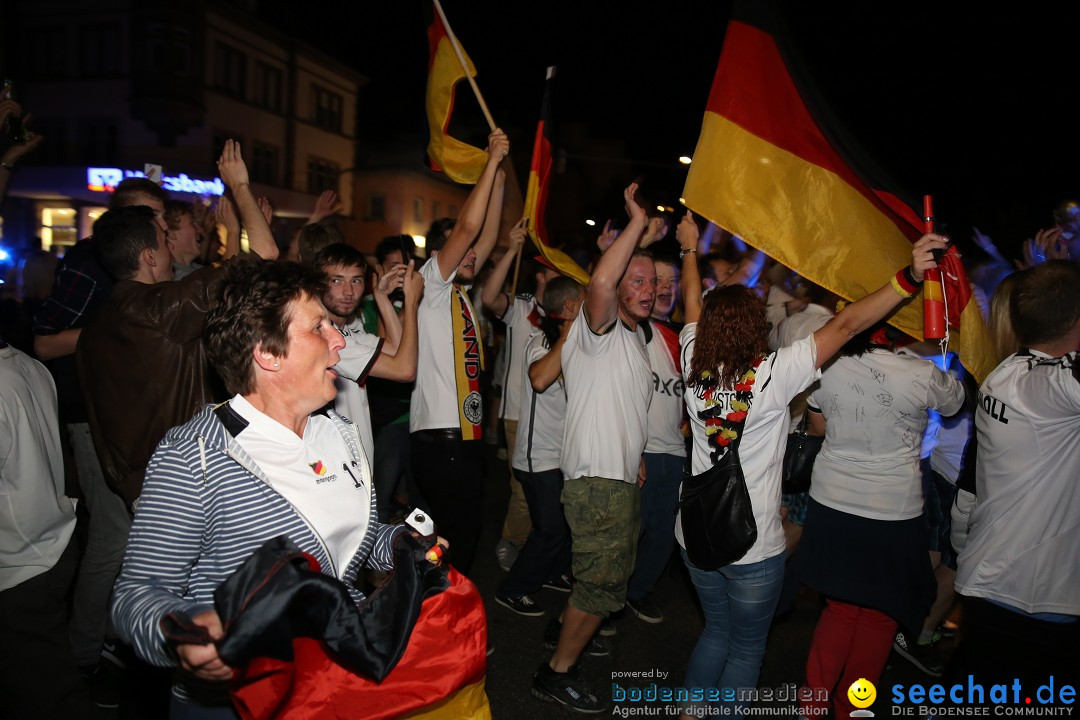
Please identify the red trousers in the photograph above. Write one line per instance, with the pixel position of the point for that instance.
(850, 642)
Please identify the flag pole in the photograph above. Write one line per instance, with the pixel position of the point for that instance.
(465, 66)
(517, 269)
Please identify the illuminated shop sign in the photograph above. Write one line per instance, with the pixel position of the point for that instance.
(101, 179)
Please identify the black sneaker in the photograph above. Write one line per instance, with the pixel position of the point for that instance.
(523, 605)
(645, 610)
(566, 689)
(561, 583)
(607, 628)
(596, 647)
(924, 657)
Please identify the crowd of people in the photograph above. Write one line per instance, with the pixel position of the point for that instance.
(207, 400)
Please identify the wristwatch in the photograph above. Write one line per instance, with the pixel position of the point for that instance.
(686, 251)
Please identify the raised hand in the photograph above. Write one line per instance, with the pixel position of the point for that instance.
(498, 145)
(922, 256)
(413, 284)
(231, 166)
(606, 237)
(326, 204)
(389, 280)
(518, 235)
(687, 232)
(654, 231)
(266, 208)
(635, 211)
(225, 214)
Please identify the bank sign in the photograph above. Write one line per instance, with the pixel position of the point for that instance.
(101, 179)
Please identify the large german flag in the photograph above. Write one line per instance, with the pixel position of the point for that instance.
(460, 161)
(772, 168)
(536, 193)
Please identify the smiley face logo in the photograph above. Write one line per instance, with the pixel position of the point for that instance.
(862, 693)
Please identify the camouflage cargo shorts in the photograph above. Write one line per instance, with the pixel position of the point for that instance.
(605, 519)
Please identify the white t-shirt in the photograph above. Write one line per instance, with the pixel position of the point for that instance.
(434, 402)
(776, 307)
(779, 378)
(608, 389)
(518, 329)
(802, 324)
(358, 356)
(316, 474)
(875, 409)
(543, 415)
(666, 408)
(1024, 543)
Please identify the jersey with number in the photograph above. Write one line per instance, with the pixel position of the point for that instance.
(543, 415)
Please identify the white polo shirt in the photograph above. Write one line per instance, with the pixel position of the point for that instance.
(316, 474)
(543, 415)
(781, 376)
(608, 389)
(1023, 544)
(518, 330)
(434, 397)
(358, 356)
(666, 408)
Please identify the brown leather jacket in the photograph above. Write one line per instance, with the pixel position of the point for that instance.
(144, 370)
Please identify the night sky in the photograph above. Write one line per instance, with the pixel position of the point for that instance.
(977, 107)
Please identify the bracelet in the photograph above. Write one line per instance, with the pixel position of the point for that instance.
(686, 251)
(903, 283)
(9, 168)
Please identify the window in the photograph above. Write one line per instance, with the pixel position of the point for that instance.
(58, 227)
(268, 86)
(99, 50)
(47, 49)
(230, 70)
(376, 207)
(322, 175)
(264, 164)
(418, 209)
(327, 109)
(435, 210)
(98, 140)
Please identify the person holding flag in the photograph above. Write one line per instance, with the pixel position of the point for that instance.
(446, 409)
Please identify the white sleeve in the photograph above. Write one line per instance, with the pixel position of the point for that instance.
(584, 339)
(687, 336)
(945, 393)
(358, 356)
(794, 368)
(436, 289)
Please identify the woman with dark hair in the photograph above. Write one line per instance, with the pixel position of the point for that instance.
(734, 386)
(865, 545)
(268, 462)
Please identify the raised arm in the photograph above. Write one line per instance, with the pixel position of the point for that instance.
(492, 220)
(401, 366)
(687, 235)
(226, 216)
(389, 322)
(861, 314)
(234, 174)
(326, 205)
(471, 220)
(493, 296)
(15, 151)
(601, 297)
(546, 370)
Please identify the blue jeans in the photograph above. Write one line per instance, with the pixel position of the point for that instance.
(659, 503)
(546, 553)
(738, 602)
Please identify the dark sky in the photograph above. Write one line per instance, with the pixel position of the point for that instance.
(974, 105)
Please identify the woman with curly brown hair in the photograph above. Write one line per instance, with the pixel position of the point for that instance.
(735, 386)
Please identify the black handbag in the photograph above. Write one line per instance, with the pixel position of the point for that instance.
(799, 459)
(717, 517)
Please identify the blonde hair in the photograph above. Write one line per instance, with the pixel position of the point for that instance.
(1002, 335)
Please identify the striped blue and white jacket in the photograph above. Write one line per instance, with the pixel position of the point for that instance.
(205, 508)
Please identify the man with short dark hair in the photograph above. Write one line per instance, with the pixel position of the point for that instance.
(80, 289)
(1018, 570)
(142, 360)
(446, 412)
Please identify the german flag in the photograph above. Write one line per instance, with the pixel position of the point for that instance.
(536, 193)
(772, 168)
(460, 161)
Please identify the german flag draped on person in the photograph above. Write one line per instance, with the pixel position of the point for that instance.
(460, 161)
(773, 169)
(536, 193)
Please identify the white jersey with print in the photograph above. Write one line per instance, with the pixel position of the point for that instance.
(608, 389)
(434, 402)
(543, 415)
(666, 408)
(358, 356)
(518, 330)
(1024, 543)
(779, 378)
(875, 409)
(316, 474)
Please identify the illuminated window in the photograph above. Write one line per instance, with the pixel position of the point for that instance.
(58, 227)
